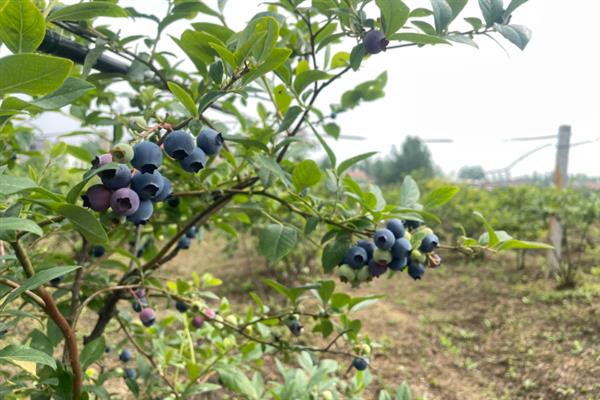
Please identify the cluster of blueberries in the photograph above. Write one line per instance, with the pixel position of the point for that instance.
(126, 356)
(132, 194)
(186, 240)
(391, 249)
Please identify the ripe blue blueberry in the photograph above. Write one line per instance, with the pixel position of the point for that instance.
(376, 269)
(195, 161)
(181, 306)
(97, 251)
(398, 264)
(147, 316)
(360, 363)
(397, 227)
(356, 257)
(125, 202)
(115, 179)
(401, 248)
(164, 193)
(384, 239)
(429, 243)
(415, 269)
(184, 243)
(210, 141)
(137, 307)
(179, 144)
(192, 232)
(375, 41)
(143, 213)
(125, 355)
(147, 156)
(147, 185)
(410, 224)
(56, 281)
(97, 197)
(101, 160)
(368, 246)
(130, 373)
(295, 327)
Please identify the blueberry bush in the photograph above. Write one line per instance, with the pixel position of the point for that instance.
(168, 147)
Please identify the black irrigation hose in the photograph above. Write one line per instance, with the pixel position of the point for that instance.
(58, 45)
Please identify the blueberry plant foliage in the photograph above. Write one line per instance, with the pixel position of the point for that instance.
(176, 146)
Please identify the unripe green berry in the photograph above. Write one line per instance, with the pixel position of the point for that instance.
(382, 256)
(427, 231)
(417, 255)
(362, 275)
(326, 395)
(122, 153)
(346, 273)
(407, 235)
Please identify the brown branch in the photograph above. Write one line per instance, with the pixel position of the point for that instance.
(57, 317)
(29, 293)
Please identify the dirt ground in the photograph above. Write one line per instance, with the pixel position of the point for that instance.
(471, 330)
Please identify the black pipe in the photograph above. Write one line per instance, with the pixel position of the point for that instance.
(58, 45)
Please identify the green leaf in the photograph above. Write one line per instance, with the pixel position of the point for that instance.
(334, 252)
(184, 97)
(80, 152)
(457, 6)
(440, 196)
(518, 35)
(276, 241)
(92, 352)
(308, 77)
(356, 56)
(271, 166)
(442, 14)
(22, 26)
(418, 38)
(33, 74)
(71, 90)
(16, 353)
(492, 236)
(326, 289)
(274, 60)
(237, 382)
(514, 4)
(225, 54)
(209, 98)
(12, 224)
(88, 10)
(340, 59)
(476, 23)
(306, 173)
(14, 184)
(219, 31)
(85, 222)
(278, 287)
(38, 280)
(330, 154)
(492, 11)
(403, 392)
(282, 98)
(409, 192)
(521, 244)
(75, 190)
(394, 14)
(290, 116)
(332, 129)
(346, 164)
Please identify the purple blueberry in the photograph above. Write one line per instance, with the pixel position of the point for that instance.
(397, 227)
(147, 156)
(147, 184)
(429, 243)
(295, 327)
(376, 269)
(368, 246)
(143, 213)
(356, 257)
(97, 197)
(115, 179)
(97, 251)
(398, 264)
(181, 306)
(130, 373)
(401, 248)
(125, 355)
(184, 243)
(384, 239)
(165, 192)
(195, 161)
(101, 160)
(198, 321)
(147, 316)
(192, 232)
(125, 202)
(179, 144)
(210, 141)
(360, 363)
(375, 41)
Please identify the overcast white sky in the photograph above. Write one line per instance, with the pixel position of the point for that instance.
(478, 98)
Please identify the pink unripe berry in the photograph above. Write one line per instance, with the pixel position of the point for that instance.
(147, 316)
(197, 321)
